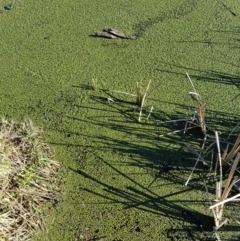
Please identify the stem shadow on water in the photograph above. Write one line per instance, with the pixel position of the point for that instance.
(138, 196)
(184, 8)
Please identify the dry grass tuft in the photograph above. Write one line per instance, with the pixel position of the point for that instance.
(27, 179)
(141, 97)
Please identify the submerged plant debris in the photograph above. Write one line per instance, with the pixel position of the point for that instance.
(27, 179)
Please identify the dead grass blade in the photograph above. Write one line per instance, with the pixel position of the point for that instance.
(226, 158)
(27, 179)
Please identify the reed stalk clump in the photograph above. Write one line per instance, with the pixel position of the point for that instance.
(27, 179)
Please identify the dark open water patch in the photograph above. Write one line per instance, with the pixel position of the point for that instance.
(179, 11)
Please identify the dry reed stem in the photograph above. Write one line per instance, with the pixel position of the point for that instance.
(201, 117)
(27, 179)
(141, 99)
(230, 177)
(219, 157)
(226, 158)
(222, 197)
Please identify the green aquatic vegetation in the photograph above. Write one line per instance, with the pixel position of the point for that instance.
(108, 160)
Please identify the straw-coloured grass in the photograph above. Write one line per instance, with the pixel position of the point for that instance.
(27, 179)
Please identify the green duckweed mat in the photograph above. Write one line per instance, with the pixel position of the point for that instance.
(120, 182)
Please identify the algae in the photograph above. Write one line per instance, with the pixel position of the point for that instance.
(108, 159)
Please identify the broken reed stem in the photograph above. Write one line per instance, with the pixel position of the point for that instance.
(170, 133)
(235, 149)
(201, 117)
(222, 197)
(195, 92)
(219, 156)
(209, 200)
(141, 97)
(230, 176)
(190, 122)
(215, 229)
(195, 152)
(163, 122)
(233, 130)
(219, 209)
(150, 112)
(198, 159)
(224, 201)
(122, 92)
(191, 82)
(142, 100)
